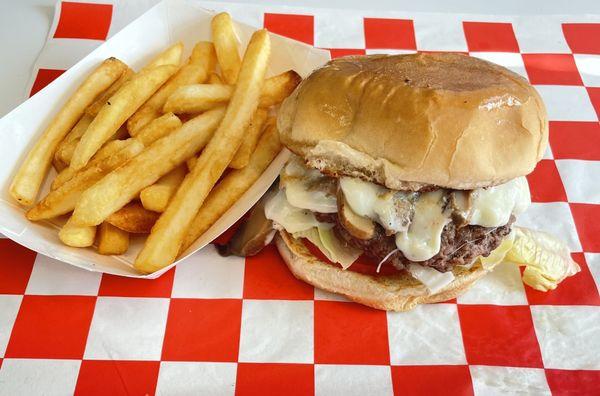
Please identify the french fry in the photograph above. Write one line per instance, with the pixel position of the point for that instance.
(63, 199)
(133, 218)
(75, 133)
(58, 165)
(191, 162)
(200, 97)
(226, 46)
(214, 78)
(157, 196)
(201, 62)
(117, 110)
(164, 242)
(242, 155)
(233, 186)
(77, 236)
(279, 87)
(112, 240)
(28, 179)
(170, 56)
(93, 109)
(65, 152)
(156, 129)
(106, 151)
(119, 187)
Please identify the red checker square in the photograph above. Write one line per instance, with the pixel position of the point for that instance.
(490, 37)
(84, 21)
(43, 78)
(594, 94)
(579, 289)
(545, 183)
(348, 333)
(573, 382)
(16, 263)
(339, 52)
(575, 140)
(227, 234)
(588, 227)
(119, 286)
(582, 37)
(51, 327)
(114, 377)
(274, 379)
(383, 33)
(203, 330)
(267, 277)
(499, 336)
(552, 69)
(297, 27)
(432, 380)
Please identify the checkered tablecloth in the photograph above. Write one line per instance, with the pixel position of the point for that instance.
(231, 325)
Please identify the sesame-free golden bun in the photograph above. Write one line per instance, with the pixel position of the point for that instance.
(410, 121)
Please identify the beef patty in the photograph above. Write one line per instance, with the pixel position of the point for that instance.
(460, 245)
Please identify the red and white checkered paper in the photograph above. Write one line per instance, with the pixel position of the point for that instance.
(218, 325)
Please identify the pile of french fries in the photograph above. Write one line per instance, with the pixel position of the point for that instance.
(163, 151)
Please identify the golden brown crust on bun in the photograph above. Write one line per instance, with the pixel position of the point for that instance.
(399, 292)
(405, 121)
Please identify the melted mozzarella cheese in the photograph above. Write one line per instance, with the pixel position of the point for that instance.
(291, 218)
(423, 239)
(375, 202)
(432, 279)
(493, 206)
(302, 188)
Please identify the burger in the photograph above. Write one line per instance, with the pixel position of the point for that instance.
(406, 176)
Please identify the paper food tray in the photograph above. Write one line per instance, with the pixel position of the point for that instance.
(166, 23)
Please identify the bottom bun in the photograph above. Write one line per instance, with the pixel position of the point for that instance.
(399, 292)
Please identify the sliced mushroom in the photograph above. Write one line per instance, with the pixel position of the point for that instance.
(459, 202)
(358, 226)
(253, 235)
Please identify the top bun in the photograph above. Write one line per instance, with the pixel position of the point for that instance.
(409, 121)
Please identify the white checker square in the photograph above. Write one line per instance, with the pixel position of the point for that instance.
(589, 69)
(567, 103)
(554, 218)
(500, 381)
(503, 286)
(290, 328)
(38, 377)
(414, 336)
(509, 60)
(438, 32)
(323, 295)
(9, 307)
(206, 274)
(196, 378)
(52, 277)
(569, 336)
(548, 153)
(329, 24)
(541, 35)
(332, 379)
(580, 179)
(593, 262)
(389, 51)
(127, 329)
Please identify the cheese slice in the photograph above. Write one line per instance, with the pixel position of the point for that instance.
(291, 218)
(493, 206)
(304, 188)
(432, 279)
(378, 203)
(422, 241)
